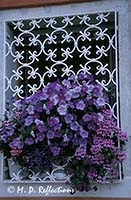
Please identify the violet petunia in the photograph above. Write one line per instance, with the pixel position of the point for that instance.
(16, 143)
(28, 121)
(50, 105)
(68, 118)
(50, 134)
(39, 107)
(55, 149)
(84, 134)
(54, 99)
(62, 109)
(40, 137)
(74, 126)
(87, 117)
(10, 132)
(19, 104)
(30, 109)
(97, 90)
(29, 141)
(40, 125)
(100, 102)
(80, 105)
(76, 141)
(52, 121)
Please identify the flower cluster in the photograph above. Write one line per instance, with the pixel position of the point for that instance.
(65, 122)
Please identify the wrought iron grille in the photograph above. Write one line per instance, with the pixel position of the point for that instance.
(39, 51)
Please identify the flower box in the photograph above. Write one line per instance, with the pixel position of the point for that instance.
(66, 123)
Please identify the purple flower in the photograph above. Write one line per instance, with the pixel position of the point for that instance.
(71, 104)
(68, 96)
(97, 90)
(87, 117)
(57, 127)
(76, 141)
(66, 83)
(10, 132)
(36, 115)
(40, 125)
(84, 88)
(53, 121)
(75, 95)
(30, 109)
(54, 99)
(80, 152)
(39, 107)
(108, 143)
(29, 141)
(95, 149)
(40, 137)
(57, 134)
(68, 118)
(76, 89)
(122, 136)
(50, 88)
(50, 105)
(62, 109)
(107, 113)
(44, 95)
(100, 101)
(83, 142)
(100, 117)
(19, 105)
(61, 96)
(90, 88)
(91, 126)
(92, 173)
(16, 143)
(83, 134)
(57, 86)
(89, 77)
(80, 105)
(55, 149)
(50, 134)
(95, 117)
(98, 159)
(28, 121)
(28, 99)
(74, 126)
(81, 76)
(36, 97)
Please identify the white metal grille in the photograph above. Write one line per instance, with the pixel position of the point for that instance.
(40, 50)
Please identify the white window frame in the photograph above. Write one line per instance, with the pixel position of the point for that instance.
(122, 7)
